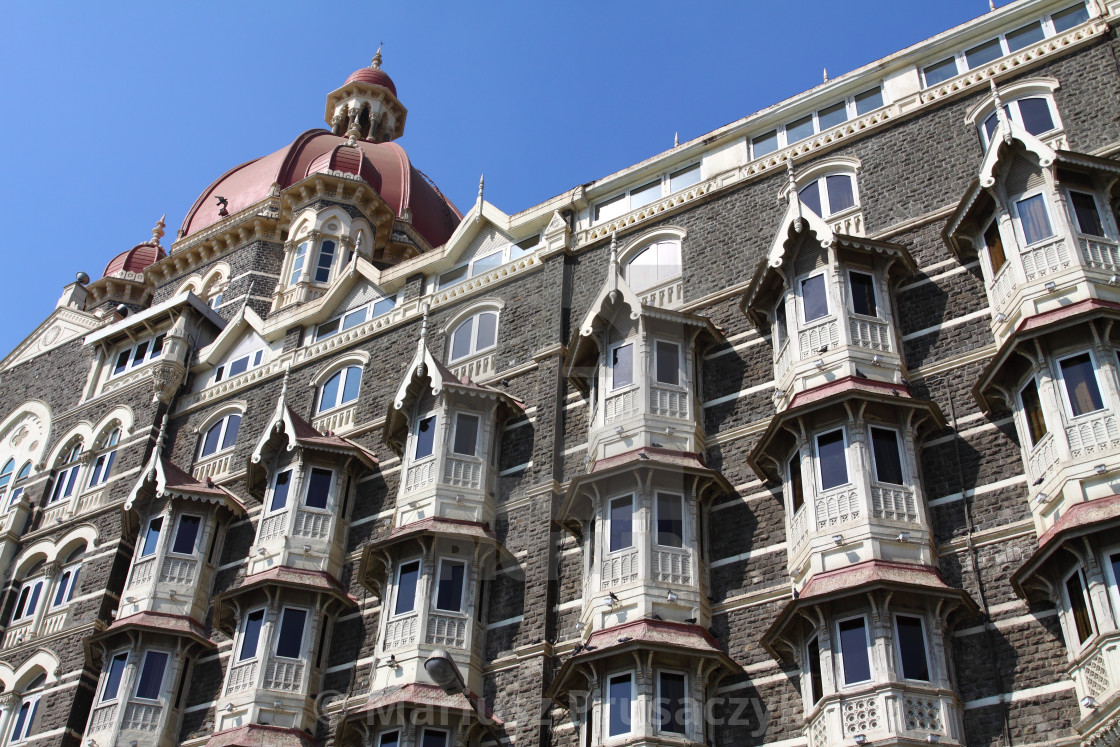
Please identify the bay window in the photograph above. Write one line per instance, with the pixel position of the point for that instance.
(796, 486)
(465, 441)
(389, 739)
(298, 261)
(1034, 219)
(289, 637)
(151, 537)
(886, 456)
(816, 680)
(994, 243)
(667, 362)
(425, 437)
(781, 327)
(280, 487)
(1033, 417)
(1086, 216)
(814, 298)
(1079, 384)
(251, 635)
(408, 577)
(855, 649)
(1077, 603)
(327, 250)
(622, 366)
(111, 686)
(832, 459)
(670, 520)
(318, 488)
(434, 738)
(911, 642)
(620, 524)
(863, 294)
(150, 683)
(186, 535)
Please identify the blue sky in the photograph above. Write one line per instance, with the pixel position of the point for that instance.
(119, 112)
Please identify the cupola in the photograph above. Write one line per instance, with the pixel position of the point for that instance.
(366, 106)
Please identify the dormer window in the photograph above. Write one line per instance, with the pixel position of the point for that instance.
(656, 264)
(474, 335)
(829, 194)
(135, 356)
(221, 436)
(340, 388)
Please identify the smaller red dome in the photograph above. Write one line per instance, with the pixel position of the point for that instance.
(134, 260)
(374, 76)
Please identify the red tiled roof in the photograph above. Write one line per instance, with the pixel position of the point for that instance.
(288, 576)
(873, 571)
(848, 384)
(134, 260)
(161, 622)
(1081, 514)
(179, 480)
(260, 735)
(654, 454)
(307, 435)
(373, 76)
(647, 632)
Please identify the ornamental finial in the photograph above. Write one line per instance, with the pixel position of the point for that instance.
(478, 204)
(794, 198)
(284, 386)
(825, 74)
(157, 232)
(162, 433)
(424, 323)
(375, 63)
(1001, 112)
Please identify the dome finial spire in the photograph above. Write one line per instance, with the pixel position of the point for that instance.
(375, 63)
(157, 232)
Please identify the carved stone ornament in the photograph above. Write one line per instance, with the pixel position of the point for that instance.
(167, 376)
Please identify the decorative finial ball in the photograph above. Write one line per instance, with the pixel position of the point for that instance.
(81, 277)
(122, 310)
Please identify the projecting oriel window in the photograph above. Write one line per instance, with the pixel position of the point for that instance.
(816, 681)
(796, 487)
(1086, 214)
(667, 357)
(318, 488)
(1079, 607)
(670, 520)
(622, 366)
(280, 489)
(887, 456)
(186, 534)
(425, 437)
(251, 636)
(994, 242)
(449, 585)
(289, 640)
(408, 576)
(621, 523)
(1032, 412)
(466, 434)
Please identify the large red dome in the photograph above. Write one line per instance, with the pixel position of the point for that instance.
(384, 166)
(373, 76)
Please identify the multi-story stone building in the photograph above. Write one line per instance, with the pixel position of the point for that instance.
(803, 432)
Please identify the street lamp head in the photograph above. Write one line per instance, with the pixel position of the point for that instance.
(443, 671)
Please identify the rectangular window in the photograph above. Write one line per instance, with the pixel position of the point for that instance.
(1034, 219)
(489, 262)
(670, 520)
(1030, 34)
(939, 72)
(684, 178)
(1085, 210)
(672, 715)
(449, 586)
(1078, 607)
(863, 294)
(28, 600)
(239, 366)
(389, 739)
(622, 366)
(250, 639)
(326, 260)
(611, 208)
(451, 277)
(384, 306)
(25, 719)
(668, 363)
(645, 194)
(994, 242)
(984, 53)
(434, 738)
(466, 434)
(814, 298)
(289, 640)
(620, 697)
(841, 194)
(832, 116)
(151, 675)
(186, 534)
(1032, 412)
(280, 490)
(67, 583)
(887, 455)
(799, 130)
(151, 537)
(1080, 382)
(1066, 19)
(621, 524)
(425, 437)
(318, 487)
(1035, 114)
(854, 651)
(764, 144)
(816, 681)
(407, 578)
(832, 458)
(912, 648)
(869, 100)
(113, 677)
(796, 487)
(297, 263)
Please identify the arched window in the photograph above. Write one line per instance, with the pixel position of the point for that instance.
(6, 475)
(68, 579)
(327, 250)
(340, 388)
(829, 194)
(14, 486)
(24, 723)
(104, 463)
(30, 594)
(221, 436)
(474, 335)
(1035, 114)
(656, 264)
(67, 474)
(298, 262)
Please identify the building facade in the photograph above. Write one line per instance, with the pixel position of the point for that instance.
(806, 432)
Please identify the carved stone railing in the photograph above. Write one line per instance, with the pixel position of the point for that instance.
(142, 572)
(214, 465)
(178, 571)
(884, 715)
(784, 361)
(284, 675)
(670, 403)
(671, 566)
(56, 513)
(476, 368)
(848, 222)
(809, 341)
(1096, 674)
(838, 507)
(1100, 254)
(141, 717)
(18, 633)
(447, 631)
(242, 677)
(462, 473)
(55, 621)
(90, 500)
(1045, 258)
(1003, 285)
(481, 281)
(401, 631)
(798, 528)
(896, 504)
(102, 718)
(870, 334)
(273, 526)
(337, 420)
(620, 568)
(312, 524)
(1093, 434)
(1043, 458)
(233, 383)
(621, 405)
(420, 475)
(668, 295)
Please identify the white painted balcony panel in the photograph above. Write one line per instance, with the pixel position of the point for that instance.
(798, 528)
(870, 334)
(1043, 458)
(476, 368)
(671, 403)
(897, 504)
(1003, 285)
(401, 632)
(178, 571)
(142, 572)
(273, 526)
(242, 677)
(54, 622)
(284, 675)
(312, 525)
(811, 340)
(337, 420)
(103, 718)
(666, 296)
(1100, 254)
(1092, 435)
(622, 405)
(838, 507)
(420, 475)
(462, 473)
(447, 631)
(141, 717)
(213, 466)
(620, 568)
(1045, 258)
(671, 566)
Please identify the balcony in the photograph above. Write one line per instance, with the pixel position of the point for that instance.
(886, 714)
(339, 420)
(297, 537)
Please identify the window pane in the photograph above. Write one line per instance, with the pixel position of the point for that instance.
(641, 271)
(670, 520)
(888, 461)
(841, 196)
(1036, 115)
(329, 397)
(816, 683)
(487, 263)
(1081, 384)
(384, 306)
(994, 242)
(353, 319)
(619, 697)
(453, 276)
(151, 675)
(869, 100)
(684, 178)
(668, 363)
(833, 463)
(622, 524)
(186, 535)
(487, 331)
(811, 197)
(353, 383)
(151, 537)
(122, 362)
(157, 347)
(210, 443)
(239, 366)
(764, 144)
(252, 635)
(297, 263)
(668, 259)
(449, 589)
(781, 329)
(1025, 36)
(425, 437)
(389, 739)
(1032, 412)
(233, 425)
(406, 588)
(434, 738)
(796, 487)
(60, 592)
(138, 356)
(645, 194)
(863, 294)
(466, 434)
(280, 490)
(853, 648)
(113, 678)
(983, 54)
(1085, 209)
(1066, 19)
(327, 329)
(95, 473)
(940, 72)
(622, 366)
(799, 130)
(326, 259)
(990, 124)
(671, 706)
(1078, 608)
(461, 340)
(832, 116)
(912, 648)
(318, 487)
(814, 301)
(612, 208)
(289, 642)
(1033, 218)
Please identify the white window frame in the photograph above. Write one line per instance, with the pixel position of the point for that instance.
(851, 110)
(477, 434)
(807, 672)
(799, 291)
(657, 513)
(1017, 220)
(368, 310)
(878, 316)
(1067, 612)
(32, 702)
(269, 510)
(163, 677)
(633, 363)
(344, 373)
(1021, 413)
(42, 600)
(926, 649)
(608, 704)
(608, 524)
(103, 463)
(657, 703)
(436, 416)
(132, 363)
(842, 679)
(302, 250)
(305, 490)
(510, 252)
(817, 458)
(1101, 214)
(473, 349)
(333, 267)
(253, 359)
(241, 636)
(626, 197)
(680, 363)
(1017, 115)
(381, 735)
(71, 471)
(223, 424)
(648, 245)
(65, 586)
(1111, 580)
(279, 624)
(822, 189)
(142, 540)
(779, 341)
(462, 590)
(100, 698)
(1065, 391)
(197, 538)
(424, 733)
(900, 444)
(393, 614)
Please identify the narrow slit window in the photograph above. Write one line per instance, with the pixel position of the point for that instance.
(994, 242)
(816, 681)
(796, 487)
(1079, 607)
